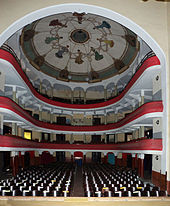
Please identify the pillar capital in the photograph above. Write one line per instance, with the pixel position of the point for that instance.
(14, 88)
(22, 152)
(116, 154)
(14, 153)
(142, 156)
(142, 92)
(133, 155)
(105, 153)
(51, 152)
(72, 152)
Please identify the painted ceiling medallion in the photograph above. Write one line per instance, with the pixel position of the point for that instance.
(91, 47)
(79, 36)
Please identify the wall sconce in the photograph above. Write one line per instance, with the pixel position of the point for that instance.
(157, 158)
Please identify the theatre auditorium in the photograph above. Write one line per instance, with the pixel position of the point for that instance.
(84, 102)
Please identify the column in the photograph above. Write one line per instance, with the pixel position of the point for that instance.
(51, 137)
(54, 156)
(52, 92)
(40, 87)
(105, 157)
(1, 124)
(105, 94)
(36, 158)
(116, 154)
(105, 117)
(119, 160)
(40, 153)
(84, 96)
(142, 156)
(141, 131)
(116, 137)
(14, 97)
(133, 161)
(124, 160)
(22, 132)
(72, 157)
(84, 157)
(84, 120)
(14, 92)
(142, 98)
(14, 128)
(14, 162)
(115, 93)
(32, 159)
(139, 164)
(72, 96)
(51, 121)
(22, 159)
(71, 139)
(84, 138)
(105, 138)
(17, 162)
(71, 118)
(133, 106)
(40, 113)
(51, 116)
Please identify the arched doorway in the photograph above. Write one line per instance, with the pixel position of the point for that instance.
(78, 156)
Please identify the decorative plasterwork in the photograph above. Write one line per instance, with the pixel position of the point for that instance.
(79, 47)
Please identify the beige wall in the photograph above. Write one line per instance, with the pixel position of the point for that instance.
(156, 163)
(157, 84)
(151, 15)
(36, 135)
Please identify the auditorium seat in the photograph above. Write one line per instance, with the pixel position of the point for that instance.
(116, 182)
(49, 180)
(99, 180)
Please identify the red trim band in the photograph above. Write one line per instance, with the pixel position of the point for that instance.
(146, 144)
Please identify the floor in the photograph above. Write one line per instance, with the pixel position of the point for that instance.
(84, 201)
(78, 183)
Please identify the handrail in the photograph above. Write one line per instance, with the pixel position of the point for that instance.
(12, 52)
(147, 56)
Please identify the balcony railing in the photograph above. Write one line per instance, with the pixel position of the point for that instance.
(21, 144)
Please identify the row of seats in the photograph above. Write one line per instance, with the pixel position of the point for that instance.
(99, 180)
(108, 181)
(52, 180)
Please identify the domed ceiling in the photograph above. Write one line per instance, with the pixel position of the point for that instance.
(79, 47)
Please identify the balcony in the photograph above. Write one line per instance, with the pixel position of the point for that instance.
(19, 144)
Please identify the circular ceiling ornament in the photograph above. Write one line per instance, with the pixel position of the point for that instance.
(80, 36)
(79, 47)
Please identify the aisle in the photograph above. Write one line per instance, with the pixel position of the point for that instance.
(78, 183)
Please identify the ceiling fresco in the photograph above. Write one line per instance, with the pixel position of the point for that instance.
(79, 47)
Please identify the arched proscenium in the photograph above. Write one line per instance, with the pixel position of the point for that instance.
(80, 8)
